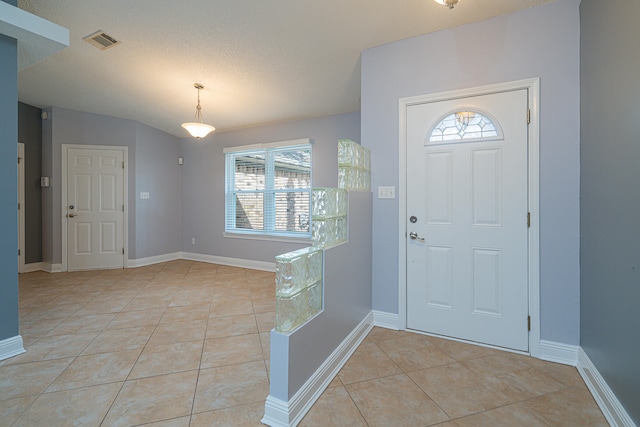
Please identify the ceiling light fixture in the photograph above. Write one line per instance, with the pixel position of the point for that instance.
(197, 129)
(449, 3)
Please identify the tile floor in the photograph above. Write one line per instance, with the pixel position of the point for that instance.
(187, 344)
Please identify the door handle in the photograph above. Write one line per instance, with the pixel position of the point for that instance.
(71, 215)
(414, 236)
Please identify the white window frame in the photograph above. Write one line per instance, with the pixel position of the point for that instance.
(268, 232)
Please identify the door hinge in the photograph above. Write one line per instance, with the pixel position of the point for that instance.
(528, 115)
(528, 219)
(19, 252)
(19, 158)
(18, 206)
(122, 208)
(122, 165)
(528, 323)
(122, 251)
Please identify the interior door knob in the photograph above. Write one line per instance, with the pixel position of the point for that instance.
(71, 215)
(414, 236)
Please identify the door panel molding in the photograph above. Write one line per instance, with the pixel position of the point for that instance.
(125, 156)
(533, 90)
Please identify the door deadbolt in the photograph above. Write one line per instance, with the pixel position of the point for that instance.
(413, 219)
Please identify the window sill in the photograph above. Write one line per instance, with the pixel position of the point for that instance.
(267, 238)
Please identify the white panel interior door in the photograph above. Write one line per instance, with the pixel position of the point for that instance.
(95, 209)
(467, 265)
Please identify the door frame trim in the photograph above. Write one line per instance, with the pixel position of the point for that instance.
(21, 211)
(533, 89)
(125, 195)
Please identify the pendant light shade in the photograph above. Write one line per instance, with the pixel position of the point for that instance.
(197, 128)
(449, 3)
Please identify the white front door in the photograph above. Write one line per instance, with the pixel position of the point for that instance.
(95, 208)
(467, 205)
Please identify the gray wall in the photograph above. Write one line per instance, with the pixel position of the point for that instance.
(8, 187)
(347, 301)
(203, 181)
(610, 236)
(539, 42)
(30, 133)
(157, 170)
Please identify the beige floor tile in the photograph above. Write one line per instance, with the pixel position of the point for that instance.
(170, 333)
(462, 351)
(12, 409)
(457, 390)
(231, 385)
(231, 350)
(96, 369)
(414, 352)
(147, 302)
(569, 407)
(513, 378)
(57, 347)
(80, 407)
(180, 300)
(225, 326)
(378, 334)
(93, 307)
(265, 341)
(394, 401)
(512, 415)
(230, 307)
(266, 321)
(334, 408)
(167, 359)
(264, 305)
(29, 379)
(175, 422)
(82, 324)
(112, 340)
(153, 399)
(185, 313)
(243, 415)
(366, 363)
(56, 311)
(128, 319)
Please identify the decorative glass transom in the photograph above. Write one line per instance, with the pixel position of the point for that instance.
(465, 125)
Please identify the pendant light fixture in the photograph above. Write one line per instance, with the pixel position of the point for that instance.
(197, 129)
(449, 3)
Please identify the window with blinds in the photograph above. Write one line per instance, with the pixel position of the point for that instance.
(268, 189)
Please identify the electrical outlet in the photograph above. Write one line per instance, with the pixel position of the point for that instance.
(144, 195)
(387, 192)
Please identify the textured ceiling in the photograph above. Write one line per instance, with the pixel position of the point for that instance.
(261, 61)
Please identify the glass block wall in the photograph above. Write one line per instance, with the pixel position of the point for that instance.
(299, 282)
(329, 216)
(298, 287)
(354, 166)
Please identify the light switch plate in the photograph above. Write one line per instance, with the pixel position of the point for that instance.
(144, 195)
(387, 192)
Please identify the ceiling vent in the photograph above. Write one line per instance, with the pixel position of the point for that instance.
(101, 40)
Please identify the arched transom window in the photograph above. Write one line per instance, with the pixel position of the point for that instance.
(464, 126)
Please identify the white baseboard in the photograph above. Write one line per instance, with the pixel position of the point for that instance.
(558, 352)
(141, 262)
(385, 320)
(34, 266)
(278, 413)
(232, 262)
(51, 268)
(609, 404)
(11, 347)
